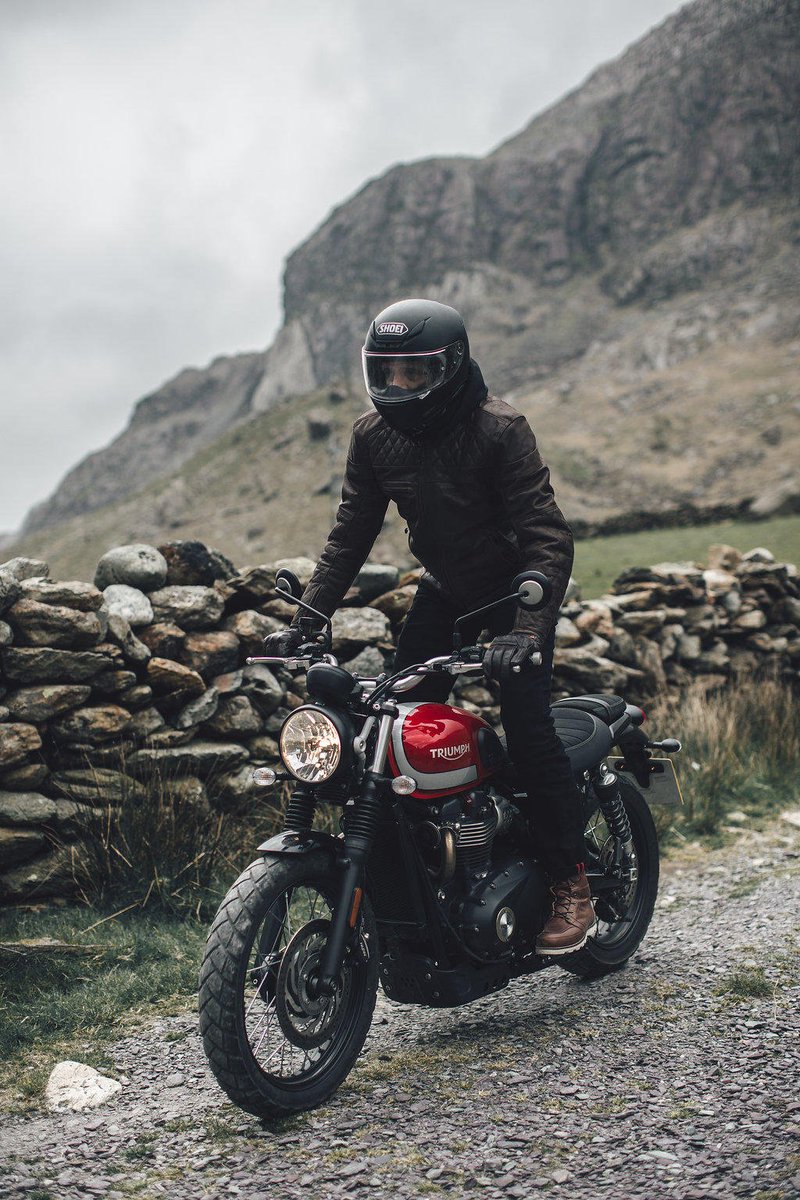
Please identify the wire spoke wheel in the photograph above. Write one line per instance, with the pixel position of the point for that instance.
(292, 1046)
(623, 914)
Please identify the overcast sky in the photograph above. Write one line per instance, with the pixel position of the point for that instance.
(160, 158)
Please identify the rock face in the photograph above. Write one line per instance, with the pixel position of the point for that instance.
(641, 221)
(177, 708)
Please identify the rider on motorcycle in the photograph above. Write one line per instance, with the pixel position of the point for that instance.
(465, 473)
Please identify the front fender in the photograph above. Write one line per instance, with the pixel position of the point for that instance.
(293, 841)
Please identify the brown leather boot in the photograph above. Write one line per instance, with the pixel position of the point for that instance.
(572, 920)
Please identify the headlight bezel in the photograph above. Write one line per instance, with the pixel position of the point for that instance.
(341, 727)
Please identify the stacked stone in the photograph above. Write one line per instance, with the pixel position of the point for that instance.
(661, 627)
(109, 688)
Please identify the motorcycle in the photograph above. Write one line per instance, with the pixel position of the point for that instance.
(433, 888)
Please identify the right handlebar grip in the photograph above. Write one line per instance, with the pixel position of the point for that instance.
(533, 660)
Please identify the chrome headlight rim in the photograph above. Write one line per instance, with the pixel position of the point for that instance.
(326, 723)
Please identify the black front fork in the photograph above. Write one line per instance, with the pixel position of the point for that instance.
(360, 828)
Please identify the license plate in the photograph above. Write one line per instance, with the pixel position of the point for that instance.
(663, 787)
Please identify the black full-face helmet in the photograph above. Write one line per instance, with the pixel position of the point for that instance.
(416, 362)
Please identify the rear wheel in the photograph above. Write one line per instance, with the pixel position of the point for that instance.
(274, 1045)
(623, 915)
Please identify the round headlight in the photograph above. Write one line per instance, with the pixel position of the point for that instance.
(311, 746)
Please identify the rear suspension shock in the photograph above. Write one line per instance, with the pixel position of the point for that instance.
(606, 788)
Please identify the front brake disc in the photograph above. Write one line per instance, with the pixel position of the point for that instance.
(306, 1018)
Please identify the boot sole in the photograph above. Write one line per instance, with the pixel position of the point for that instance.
(554, 952)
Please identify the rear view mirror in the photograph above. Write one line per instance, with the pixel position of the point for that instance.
(533, 590)
(287, 582)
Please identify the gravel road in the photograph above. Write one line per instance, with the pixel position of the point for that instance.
(658, 1081)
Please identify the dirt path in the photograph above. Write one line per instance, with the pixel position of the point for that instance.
(659, 1081)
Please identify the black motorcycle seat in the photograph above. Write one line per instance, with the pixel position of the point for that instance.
(585, 739)
(603, 705)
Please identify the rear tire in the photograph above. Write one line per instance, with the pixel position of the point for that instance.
(273, 1048)
(615, 941)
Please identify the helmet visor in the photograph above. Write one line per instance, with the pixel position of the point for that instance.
(394, 378)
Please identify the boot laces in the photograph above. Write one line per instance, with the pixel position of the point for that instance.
(563, 898)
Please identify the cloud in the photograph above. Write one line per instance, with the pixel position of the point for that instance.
(161, 160)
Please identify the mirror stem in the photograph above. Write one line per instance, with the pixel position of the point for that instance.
(468, 616)
(290, 599)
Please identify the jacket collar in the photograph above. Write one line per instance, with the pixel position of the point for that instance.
(473, 393)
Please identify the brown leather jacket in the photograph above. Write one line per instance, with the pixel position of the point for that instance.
(477, 501)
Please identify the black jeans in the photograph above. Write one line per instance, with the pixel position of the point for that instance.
(554, 803)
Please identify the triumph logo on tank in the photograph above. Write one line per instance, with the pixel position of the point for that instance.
(450, 751)
(391, 327)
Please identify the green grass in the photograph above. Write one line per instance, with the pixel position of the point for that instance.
(54, 1006)
(599, 561)
(741, 750)
(747, 983)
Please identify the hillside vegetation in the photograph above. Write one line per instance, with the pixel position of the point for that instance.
(627, 266)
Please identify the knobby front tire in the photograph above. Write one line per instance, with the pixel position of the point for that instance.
(272, 1047)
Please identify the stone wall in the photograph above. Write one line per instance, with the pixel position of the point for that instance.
(103, 686)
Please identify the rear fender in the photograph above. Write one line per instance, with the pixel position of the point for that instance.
(293, 841)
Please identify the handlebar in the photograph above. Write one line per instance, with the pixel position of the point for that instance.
(461, 662)
(454, 666)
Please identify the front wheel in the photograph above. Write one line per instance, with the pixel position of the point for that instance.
(623, 916)
(274, 1045)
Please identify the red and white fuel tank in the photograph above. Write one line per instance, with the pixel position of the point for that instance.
(443, 748)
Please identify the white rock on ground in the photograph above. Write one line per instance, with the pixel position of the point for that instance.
(75, 1086)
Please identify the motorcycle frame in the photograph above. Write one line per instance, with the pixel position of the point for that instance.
(349, 852)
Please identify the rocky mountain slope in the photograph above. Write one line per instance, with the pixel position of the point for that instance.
(627, 266)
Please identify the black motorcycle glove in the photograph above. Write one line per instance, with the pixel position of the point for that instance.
(507, 651)
(284, 643)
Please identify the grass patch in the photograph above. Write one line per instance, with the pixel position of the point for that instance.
(162, 845)
(54, 1006)
(599, 561)
(158, 844)
(155, 872)
(741, 750)
(746, 983)
(745, 887)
